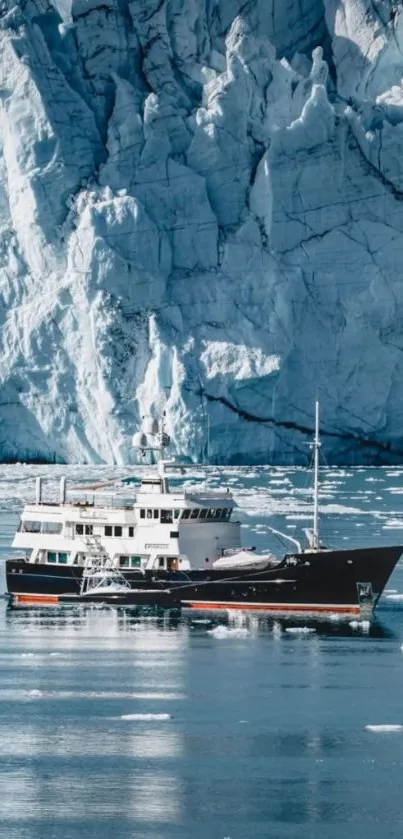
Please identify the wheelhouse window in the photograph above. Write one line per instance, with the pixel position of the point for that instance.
(31, 526)
(166, 517)
(149, 514)
(108, 530)
(41, 526)
(118, 530)
(177, 514)
(79, 529)
(131, 532)
(88, 529)
(218, 514)
(226, 514)
(186, 514)
(194, 514)
(51, 527)
(142, 514)
(203, 513)
(156, 514)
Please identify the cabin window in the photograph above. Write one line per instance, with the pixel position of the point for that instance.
(142, 514)
(149, 514)
(108, 530)
(31, 526)
(82, 529)
(203, 514)
(124, 561)
(130, 561)
(166, 516)
(194, 514)
(186, 514)
(156, 514)
(118, 530)
(131, 532)
(51, 527)
(60, 557)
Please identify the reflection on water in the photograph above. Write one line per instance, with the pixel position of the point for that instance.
(106, 623)
(128, 723)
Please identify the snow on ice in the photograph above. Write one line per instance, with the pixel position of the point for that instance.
(201, 205)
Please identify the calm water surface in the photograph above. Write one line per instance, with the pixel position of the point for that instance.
(116, 724)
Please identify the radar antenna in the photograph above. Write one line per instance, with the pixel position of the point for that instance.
(153, 438)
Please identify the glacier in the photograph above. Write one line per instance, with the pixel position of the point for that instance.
(201, 211)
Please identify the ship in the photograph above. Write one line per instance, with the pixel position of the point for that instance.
(181, 549)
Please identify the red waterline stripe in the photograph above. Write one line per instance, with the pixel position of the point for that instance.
(51, 599)
(274, 607)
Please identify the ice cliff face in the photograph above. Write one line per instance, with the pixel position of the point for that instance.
(201, 206)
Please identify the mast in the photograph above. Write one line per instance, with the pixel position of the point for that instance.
(316, 446)
(163, 442)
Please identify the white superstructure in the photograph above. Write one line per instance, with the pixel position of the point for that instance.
(156, 528)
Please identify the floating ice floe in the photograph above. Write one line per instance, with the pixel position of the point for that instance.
(226, 632)
(363, 625)
(395, 598)
(379, 729)
(393, 524)
(145, 717)
(300, 630)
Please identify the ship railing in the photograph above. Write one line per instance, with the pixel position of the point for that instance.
(219, 494)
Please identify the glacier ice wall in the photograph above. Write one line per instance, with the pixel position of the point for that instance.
(201, 208)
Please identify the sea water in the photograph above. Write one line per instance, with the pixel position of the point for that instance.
(120, 723)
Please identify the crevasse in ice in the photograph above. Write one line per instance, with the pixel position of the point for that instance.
(201, 207)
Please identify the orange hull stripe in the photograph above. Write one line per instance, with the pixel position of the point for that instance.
(274, 607)
(36, 598)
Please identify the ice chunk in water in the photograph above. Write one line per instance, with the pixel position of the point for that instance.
(225, 632)
(140, 717)
(383, 728)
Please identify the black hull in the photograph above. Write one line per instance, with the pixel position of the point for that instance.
(347, 581)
